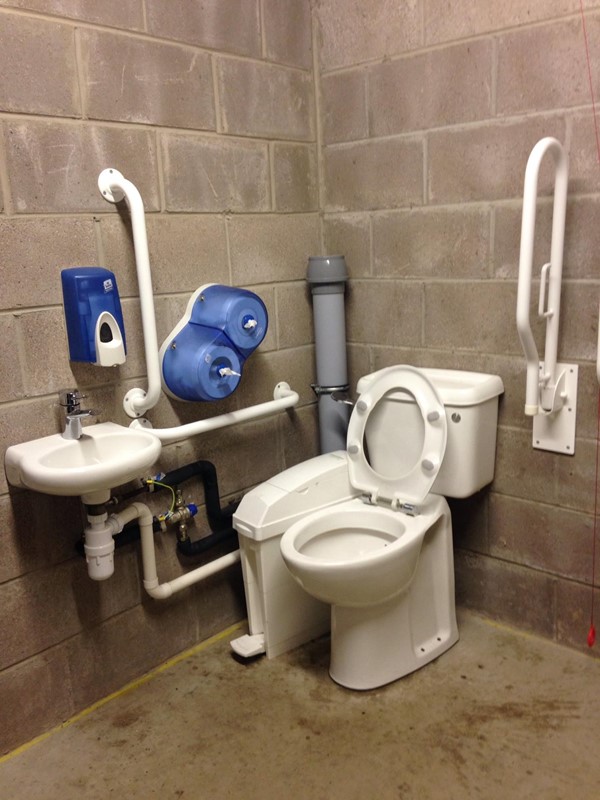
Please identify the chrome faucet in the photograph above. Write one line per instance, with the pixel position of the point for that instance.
(70, 400)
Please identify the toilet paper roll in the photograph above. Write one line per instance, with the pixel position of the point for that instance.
(200, 365)
(240, 314)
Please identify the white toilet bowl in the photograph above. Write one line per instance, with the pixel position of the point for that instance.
(368, 531)
(388, 578)
(354, 555)
(361, 558)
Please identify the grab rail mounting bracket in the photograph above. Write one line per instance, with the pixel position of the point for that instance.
(555, 430)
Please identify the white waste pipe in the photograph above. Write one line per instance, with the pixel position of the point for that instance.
(540, 391)
(114, 187)
(284, 398)
(160, 591)
(99, 546)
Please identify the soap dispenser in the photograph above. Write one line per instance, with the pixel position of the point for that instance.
(93, 315)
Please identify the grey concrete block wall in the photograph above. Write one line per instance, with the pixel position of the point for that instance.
(53, 167)
(405, 150)
(210, 112)
(431, 89)
(433, 250)
(203, 173)
(140, 80)
(39, 71)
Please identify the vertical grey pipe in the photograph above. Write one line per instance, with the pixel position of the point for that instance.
(327, 276)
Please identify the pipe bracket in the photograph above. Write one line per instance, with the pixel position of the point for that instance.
(320, 390)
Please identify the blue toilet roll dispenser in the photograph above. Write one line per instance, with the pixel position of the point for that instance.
(203, 356)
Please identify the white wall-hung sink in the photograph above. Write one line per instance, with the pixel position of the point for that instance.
(106, 455)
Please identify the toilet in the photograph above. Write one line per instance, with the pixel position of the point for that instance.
(359, 542)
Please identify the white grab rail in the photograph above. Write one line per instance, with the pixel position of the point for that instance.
(114, 187)
(284, 397)
(541, 395)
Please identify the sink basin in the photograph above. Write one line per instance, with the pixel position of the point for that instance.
(105, 456)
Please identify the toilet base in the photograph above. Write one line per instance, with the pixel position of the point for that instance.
(375, 645)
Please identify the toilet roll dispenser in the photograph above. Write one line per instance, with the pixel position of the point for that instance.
(202, 359)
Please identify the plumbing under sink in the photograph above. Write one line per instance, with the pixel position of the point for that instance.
(106, 455)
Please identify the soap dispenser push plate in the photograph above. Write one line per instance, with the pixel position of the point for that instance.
(556, 431)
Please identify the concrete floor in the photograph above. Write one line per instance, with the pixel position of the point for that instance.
(501, 715)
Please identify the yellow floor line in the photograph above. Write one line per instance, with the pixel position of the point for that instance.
(129, 687)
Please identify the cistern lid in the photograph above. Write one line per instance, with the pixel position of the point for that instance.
(412, 487)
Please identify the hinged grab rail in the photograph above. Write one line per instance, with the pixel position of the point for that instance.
(551, 388)
(541, 394)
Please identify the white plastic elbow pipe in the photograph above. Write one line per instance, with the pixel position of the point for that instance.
(114, 187)
(157, 590)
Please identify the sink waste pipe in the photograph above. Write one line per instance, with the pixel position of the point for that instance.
(99, 545)
(327, 277)
(131, 533)
(157, 590)
(96, 543)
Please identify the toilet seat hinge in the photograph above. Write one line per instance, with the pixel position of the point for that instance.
(409, 508)
(395, 503)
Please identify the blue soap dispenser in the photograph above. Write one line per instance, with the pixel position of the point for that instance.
(93, 315)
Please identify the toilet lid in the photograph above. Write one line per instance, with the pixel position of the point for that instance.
(413, 486)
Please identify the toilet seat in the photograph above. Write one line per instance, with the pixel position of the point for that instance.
(408, 490)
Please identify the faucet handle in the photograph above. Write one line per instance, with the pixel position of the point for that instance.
(70, 399)
(83, 412)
